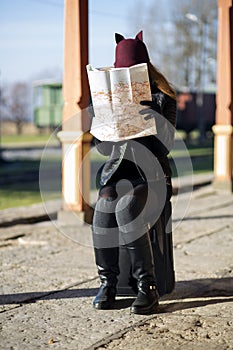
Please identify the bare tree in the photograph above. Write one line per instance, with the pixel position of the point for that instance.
(18, 104)
(3, 102)
(181, 37)
(154, 17)
(195, 29)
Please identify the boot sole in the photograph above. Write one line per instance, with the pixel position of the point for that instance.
(144, 311)
(103, 305)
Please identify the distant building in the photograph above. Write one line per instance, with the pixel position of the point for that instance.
(47, 104)
(189, 114)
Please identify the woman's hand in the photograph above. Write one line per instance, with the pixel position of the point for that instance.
(152, 110)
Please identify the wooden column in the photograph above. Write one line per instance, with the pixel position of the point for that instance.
(74, 135)
(223, 130)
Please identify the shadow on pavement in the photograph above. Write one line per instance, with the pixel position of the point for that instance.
(217, 290)
(182, 305)
(190, 218)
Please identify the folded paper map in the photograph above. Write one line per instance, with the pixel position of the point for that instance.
(116, 94)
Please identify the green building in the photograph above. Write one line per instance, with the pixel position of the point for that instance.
(47, 104)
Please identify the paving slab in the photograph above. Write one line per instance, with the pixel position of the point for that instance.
(49, 281)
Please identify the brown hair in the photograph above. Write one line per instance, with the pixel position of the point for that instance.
(160, 81)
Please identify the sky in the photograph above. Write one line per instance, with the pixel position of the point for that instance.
(32, 35)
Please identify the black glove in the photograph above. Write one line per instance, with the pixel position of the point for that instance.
(152, 111)
(155, 106)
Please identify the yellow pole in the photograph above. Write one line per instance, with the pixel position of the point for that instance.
(223, 130)
(74, 136)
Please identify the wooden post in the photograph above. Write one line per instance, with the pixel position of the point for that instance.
(74, 135)
(223, 130)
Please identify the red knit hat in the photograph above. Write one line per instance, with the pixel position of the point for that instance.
(130, 51)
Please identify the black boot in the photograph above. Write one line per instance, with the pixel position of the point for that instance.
(142, 262)
(107, 263)
(147, 300)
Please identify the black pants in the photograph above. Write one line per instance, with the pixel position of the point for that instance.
(125, 211)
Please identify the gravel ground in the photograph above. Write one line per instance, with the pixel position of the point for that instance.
(49, 282)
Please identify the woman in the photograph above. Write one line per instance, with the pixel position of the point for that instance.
(134, 182)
